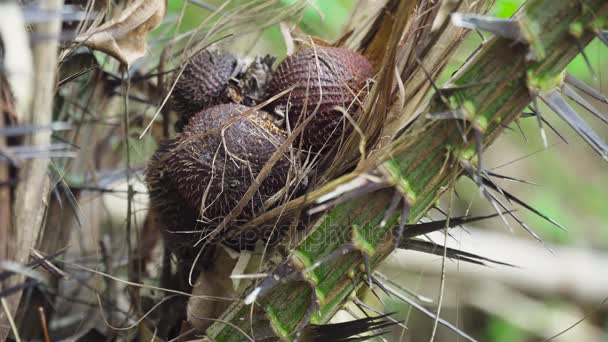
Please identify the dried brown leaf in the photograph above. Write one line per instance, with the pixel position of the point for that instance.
(124, 36)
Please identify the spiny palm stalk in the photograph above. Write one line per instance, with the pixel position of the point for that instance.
(525, 61)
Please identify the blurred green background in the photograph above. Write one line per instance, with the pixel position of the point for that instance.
(572, 181)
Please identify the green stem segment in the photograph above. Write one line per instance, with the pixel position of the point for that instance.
(491, 89)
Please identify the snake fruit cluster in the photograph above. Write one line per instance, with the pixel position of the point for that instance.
(200, 175)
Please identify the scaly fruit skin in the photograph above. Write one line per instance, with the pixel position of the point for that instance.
(201, 84)
(205, 170)
(167, 206)
(325, 77)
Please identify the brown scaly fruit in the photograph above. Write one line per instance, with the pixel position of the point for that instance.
(166, 204)
(325, 77)
(197, 178)
(202, 84)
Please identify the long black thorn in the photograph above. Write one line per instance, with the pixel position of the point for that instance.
(532, 113)
(495, 199)
(498, 206)
(471, 173)
(529, 114)
(380, 285)
(486, 177)
(457, 194)
(399, 287)
(441, 211)
(581, 50)
(495, 202)
(428, 313)
(511, 197)
(480, 34)
(445, 214)
(345, 331)
(506, 127)
(429, 227)
(430, 79)
(374, 292)
(583, 103)
(573, 81)
(436, 249)
(509, 178)
(381, 321)
(557, 103)
(523, 134)
(546, 122)
(361, 304)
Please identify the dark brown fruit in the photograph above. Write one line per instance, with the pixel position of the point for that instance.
(324, 76)
(201, 84)
(214, 164)
(167, 207)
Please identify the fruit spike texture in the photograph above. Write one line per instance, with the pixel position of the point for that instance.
(323, 76)
(215, 161)
(201, 84)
